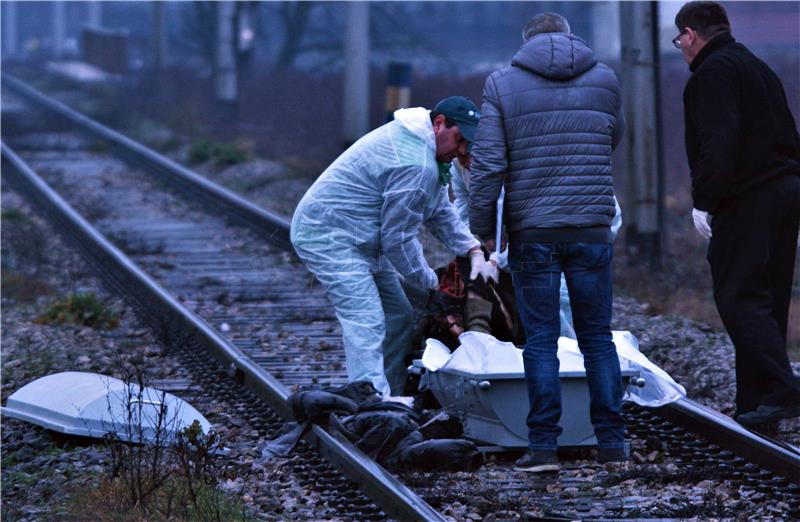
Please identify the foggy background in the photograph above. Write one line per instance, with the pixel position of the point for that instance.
(296, 54)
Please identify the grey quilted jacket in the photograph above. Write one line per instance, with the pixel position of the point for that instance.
(548, 126)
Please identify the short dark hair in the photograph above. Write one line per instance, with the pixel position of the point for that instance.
(707, 18)
(546, 22)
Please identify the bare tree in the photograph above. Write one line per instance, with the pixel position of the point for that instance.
(392, 29)
(199, 30)
(294, 17)
(305, 27)
(308, 27)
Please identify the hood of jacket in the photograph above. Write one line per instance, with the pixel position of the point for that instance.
(418, 121)
(556, 56)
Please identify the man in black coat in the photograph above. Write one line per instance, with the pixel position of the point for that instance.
(744, 154)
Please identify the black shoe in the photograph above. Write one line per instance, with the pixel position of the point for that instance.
(738, 414)
(611, 455)
(766, 414)
(537, 461)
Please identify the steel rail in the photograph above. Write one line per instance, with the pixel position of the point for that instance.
(729, 434)
(264, 222)
(394, 497)
(718, 428)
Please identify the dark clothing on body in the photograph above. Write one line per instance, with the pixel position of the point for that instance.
(548, 126)
(744, 154)
(739, 130)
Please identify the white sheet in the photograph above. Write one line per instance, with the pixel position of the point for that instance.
(482, 353)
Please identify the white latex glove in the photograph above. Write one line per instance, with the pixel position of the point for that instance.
(702, 222)
(500, 260)
(480, 267)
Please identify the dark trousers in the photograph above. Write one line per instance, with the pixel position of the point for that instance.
(752, 255)
(536, 269)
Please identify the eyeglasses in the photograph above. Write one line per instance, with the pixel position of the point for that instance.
(677, 40)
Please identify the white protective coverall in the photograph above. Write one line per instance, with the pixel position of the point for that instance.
(459, 181)
(359, 222)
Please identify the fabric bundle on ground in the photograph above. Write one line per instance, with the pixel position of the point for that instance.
(393, 434)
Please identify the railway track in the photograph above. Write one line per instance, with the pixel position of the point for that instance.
(214, 270)
(236, 292)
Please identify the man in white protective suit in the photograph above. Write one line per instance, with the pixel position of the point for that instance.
(357, 227)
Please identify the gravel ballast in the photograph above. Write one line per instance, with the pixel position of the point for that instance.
(41, 469)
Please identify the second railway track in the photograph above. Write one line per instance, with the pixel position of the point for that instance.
(252, 295)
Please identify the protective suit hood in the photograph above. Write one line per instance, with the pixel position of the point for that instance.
(418, 121)
(556, 56)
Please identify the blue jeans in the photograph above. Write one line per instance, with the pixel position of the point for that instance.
(536, 269)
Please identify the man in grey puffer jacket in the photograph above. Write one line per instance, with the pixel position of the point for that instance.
(549, 125)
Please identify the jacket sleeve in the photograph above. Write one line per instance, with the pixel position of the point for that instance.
(715, 119)
(489, 164)
(445, 224)
(404, 200)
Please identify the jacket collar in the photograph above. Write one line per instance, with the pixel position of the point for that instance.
(716, 43)
(417, 121)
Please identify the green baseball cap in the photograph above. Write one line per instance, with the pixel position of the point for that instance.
(462, 111)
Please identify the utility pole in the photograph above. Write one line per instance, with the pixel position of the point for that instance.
(59, 28)
(604, 25)
(356, 72)
(159, 35)
(398, 88)
(643, 163)
(9, 28)
(246, 36)
(245, 39)
(225, 58)
(95, 13)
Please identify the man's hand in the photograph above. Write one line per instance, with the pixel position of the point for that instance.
(481, 267)
(702, 222)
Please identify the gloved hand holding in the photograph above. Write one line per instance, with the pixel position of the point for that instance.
(500, 260)
(481, 267)
(702, 222)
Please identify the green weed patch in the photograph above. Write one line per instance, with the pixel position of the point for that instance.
(221, 154)
(82, 309)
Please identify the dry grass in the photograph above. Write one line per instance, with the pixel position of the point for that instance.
(20, 287)
(108, 502)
